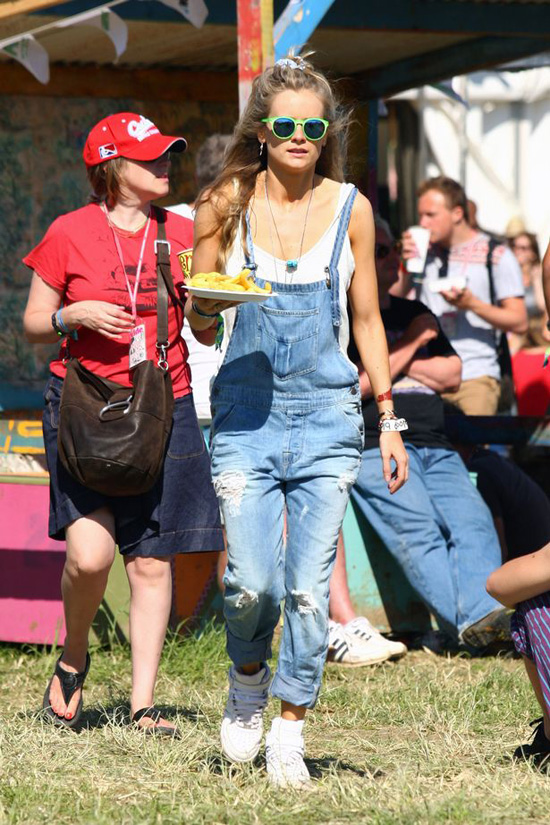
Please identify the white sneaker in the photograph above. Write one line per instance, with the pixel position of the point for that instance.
(284, 754)
(242, 725)
(361, 628)
(346, 649)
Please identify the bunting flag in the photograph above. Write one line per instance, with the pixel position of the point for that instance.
(106, 21)
(446, 88)
(193, 10)
(27, 50)
(31, 55)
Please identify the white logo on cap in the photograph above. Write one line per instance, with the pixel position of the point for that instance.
(142, 129)
(107, 151)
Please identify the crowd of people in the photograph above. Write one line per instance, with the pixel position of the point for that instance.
(336, 386)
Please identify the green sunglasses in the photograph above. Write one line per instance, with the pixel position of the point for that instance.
(314, 128)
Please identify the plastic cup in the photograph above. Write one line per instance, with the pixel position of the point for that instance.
(421, 238)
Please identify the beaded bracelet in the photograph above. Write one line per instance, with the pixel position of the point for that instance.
(219, 324)
(202, 314)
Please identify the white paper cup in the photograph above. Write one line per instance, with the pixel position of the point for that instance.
(421, 237)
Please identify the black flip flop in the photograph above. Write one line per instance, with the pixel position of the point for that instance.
(153, 730)
(70, 682)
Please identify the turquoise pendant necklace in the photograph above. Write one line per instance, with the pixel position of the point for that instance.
(291, 264)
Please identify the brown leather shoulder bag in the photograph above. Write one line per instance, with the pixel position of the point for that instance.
(111, 438)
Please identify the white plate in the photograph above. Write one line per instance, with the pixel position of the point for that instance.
(446, 284)
(228, 294)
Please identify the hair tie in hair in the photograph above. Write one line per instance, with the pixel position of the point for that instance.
(292, 64)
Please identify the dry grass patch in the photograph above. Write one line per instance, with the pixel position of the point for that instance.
(425, 740)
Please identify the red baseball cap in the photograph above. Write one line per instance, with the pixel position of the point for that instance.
(127, 135)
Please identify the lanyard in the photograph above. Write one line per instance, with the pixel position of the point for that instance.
(132, 293)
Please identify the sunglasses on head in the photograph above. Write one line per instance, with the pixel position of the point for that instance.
(314, 128)
(382, 250)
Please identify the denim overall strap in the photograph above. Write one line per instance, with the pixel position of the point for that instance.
(333, 280)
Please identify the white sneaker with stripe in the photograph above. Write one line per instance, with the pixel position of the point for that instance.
(347, 648)
(362, 629)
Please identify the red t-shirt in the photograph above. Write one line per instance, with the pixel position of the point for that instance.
(78, 257)
(532, 382)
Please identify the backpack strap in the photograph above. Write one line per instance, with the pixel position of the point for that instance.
(493, 243)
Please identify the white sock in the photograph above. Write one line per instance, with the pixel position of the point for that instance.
(286, 728)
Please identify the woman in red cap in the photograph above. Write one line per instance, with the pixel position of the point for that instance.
(93, 283)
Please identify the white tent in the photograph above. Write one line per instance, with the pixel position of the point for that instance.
(498, 145)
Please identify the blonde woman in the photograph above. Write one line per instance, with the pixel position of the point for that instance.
(287, 425)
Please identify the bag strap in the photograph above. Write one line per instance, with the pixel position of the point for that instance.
(501, 340)
(165, 287)
(162, 249)
(489, 264)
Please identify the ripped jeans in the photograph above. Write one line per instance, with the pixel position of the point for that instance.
(304, 460)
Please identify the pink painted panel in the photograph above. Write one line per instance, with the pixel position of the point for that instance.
(31, 609)
(24, 518)
(33, 622)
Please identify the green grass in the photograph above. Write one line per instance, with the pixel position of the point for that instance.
(425, 740)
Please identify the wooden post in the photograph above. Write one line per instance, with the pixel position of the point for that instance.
(13, 7)
(255, 42)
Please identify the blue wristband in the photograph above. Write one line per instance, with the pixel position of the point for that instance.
(60, 322)
(63, 326)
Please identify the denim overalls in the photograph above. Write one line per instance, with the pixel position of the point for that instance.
(287, 428)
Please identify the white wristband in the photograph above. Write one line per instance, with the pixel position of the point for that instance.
(392, 425)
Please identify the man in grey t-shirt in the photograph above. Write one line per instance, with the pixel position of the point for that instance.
(469, 318)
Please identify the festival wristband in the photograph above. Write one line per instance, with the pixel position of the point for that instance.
(61, 327)
(392, 425)
(385, 396)
(55, 324)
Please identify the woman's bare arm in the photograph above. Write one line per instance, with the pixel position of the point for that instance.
(109, 320)
(370, 336)
(522, 578)
(206, 244)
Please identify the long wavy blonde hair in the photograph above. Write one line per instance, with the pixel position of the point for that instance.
(232, 190)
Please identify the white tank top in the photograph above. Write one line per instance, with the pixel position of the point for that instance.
(311, 267)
